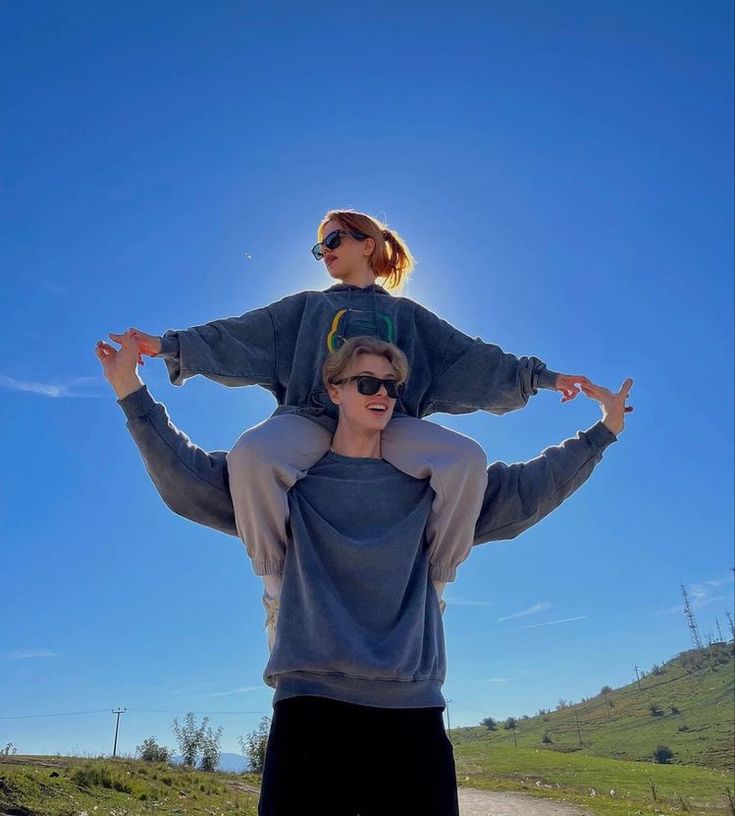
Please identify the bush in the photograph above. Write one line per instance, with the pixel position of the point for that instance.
(546, 739)
(254, 745)
(150, 751)
(663, 754)
(655, 709)
(489, 723)
(191, 738)
(605, 690)
(210, 747)
(675, 710)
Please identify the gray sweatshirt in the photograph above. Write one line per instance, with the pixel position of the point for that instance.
(359, 619)
(282, 347)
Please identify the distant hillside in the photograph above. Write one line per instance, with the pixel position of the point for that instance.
(687, 704)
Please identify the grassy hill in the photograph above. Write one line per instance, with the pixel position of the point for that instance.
(687, 704)
(68, 786)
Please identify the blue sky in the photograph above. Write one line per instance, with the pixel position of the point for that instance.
(563, 174)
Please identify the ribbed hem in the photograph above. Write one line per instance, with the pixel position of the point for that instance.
(170, 346)
(437, 572)
(361, 691)
(547, 379)
(600, 436)
(137, 404)
(268, 567)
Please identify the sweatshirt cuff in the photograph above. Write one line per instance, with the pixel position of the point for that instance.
(600, 436)
(137, 404)
(170, 346)
(547, 379)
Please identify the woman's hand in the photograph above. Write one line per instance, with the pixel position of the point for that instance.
(613, 406)
(569, 385)
(119, 366)
(149, 344)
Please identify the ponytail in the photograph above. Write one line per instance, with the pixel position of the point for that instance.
(391, 260)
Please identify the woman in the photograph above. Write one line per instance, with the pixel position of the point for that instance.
(358, 661)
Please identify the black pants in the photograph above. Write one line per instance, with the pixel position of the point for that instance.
(331, 758)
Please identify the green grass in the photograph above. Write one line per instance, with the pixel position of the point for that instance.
(64, 786)
(572, 777)
(697, 719)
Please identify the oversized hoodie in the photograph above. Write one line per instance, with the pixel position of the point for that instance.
(359, 619)
(282, 347)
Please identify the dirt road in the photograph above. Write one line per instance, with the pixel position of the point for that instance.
(474, 802)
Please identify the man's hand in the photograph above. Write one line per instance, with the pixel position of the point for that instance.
(569, 385)
(149, 344)
(613, 406)
(119, 366)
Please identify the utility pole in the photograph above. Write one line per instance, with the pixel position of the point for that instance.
(693, 630)
(117, 728)
(449, 724)
(640, 688)
(732, 625)
(579, 730)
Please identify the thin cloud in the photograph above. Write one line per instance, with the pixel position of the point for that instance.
(532, 610)
(458, 600)
(548, 623)
(242, 690)
(497, 680)
(28, 654)
(74, 388)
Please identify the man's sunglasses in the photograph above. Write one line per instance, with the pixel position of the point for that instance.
(368, 386)
(333, 240)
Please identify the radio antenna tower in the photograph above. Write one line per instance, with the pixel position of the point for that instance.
(693, 631)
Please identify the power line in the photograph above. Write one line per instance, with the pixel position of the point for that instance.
(61, 714)
(129, 710)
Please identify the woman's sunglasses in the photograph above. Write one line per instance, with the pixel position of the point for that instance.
(333, 240)
(368, 386)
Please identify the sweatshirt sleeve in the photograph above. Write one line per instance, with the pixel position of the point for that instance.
(192, 482)
(471, 375)
(234, 351)
(520, 495)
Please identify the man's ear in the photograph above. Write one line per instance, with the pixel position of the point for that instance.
(334, 394)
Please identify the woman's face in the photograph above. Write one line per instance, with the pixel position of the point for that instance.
(350, 256)
(360, 411)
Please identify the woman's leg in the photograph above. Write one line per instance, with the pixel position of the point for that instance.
(311, 758)
(263, 466)
(457, 468)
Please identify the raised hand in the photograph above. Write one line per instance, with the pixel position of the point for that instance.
(569, 385)
(149, 344)
(613, 405)
(119, 366)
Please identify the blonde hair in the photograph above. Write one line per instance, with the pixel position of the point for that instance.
(391, 260)
(338, 361)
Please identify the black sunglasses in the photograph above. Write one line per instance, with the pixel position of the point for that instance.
(333, 240)
(368, 385)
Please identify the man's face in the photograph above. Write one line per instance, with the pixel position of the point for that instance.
(365, 412)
